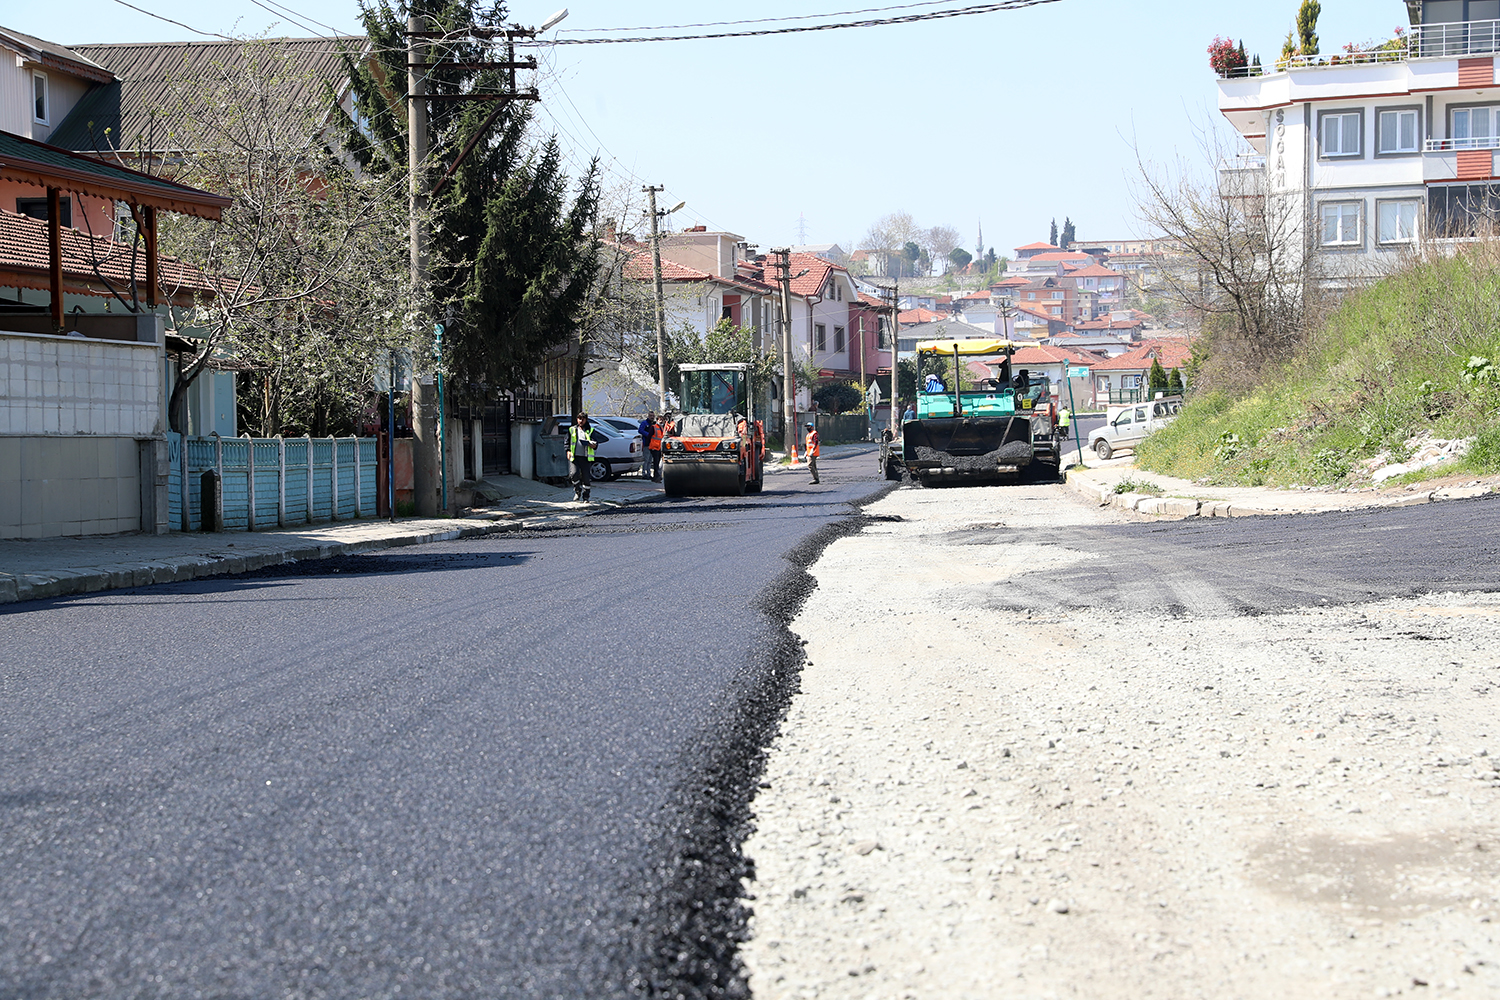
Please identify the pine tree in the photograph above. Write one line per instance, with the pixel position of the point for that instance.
(511, 244)
(1052, 240)
(1307, 27)
(1068, 234)
(1174, 383)
(1156, 381)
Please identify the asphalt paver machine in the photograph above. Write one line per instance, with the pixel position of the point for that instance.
(999, 430)
(716, 447)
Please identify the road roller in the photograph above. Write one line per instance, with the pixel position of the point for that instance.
(716, 447)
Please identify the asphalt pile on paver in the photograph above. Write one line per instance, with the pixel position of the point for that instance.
(993, 787)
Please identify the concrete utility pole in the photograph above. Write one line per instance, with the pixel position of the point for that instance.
(661, 306)
(788, 379)
(895, 345)
(423, 419)
(426, 412)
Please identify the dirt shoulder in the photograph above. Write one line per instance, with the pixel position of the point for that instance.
(973, 802)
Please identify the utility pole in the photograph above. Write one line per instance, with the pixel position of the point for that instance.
(424, 444)
(789, 379)
(427, 413)
(895, 346)
(661, 306)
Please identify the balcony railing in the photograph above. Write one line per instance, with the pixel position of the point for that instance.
(1461, 38)
(1426, 41)
(1446, 145)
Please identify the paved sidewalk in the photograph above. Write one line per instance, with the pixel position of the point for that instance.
(1182, 498)
(56, 567)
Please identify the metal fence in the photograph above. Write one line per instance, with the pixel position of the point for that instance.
(271, 482)
(835, 428)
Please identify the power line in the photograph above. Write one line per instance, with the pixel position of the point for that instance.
(205, 34)
(987, 8)
(763, 20)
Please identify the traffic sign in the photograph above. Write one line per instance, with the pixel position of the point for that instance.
(1079, 372)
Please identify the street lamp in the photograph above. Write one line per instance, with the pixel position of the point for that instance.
(553, 21)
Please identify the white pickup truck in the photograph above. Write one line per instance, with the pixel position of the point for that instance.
(1125, 426)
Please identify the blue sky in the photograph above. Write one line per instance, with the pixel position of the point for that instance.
(1010, 118)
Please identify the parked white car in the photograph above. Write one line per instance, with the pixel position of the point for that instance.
(1127, 426)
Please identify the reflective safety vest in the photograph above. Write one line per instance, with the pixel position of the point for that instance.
(812, 444)
(656, 435)
(1065, 419)
(573, 443)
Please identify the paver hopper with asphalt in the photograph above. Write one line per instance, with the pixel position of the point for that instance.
(716, 447)
(1002, 429)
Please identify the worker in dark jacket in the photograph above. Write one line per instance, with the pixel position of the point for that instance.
(582, 440)
(645, 429)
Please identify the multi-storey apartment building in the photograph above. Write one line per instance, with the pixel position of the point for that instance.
(1373, 151)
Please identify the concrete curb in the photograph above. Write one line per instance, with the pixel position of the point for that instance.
(1184, 507)
(15, 588)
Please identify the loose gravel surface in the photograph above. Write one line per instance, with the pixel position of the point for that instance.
(989, 787)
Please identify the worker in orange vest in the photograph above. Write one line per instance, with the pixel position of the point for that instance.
(812, 451)
(653, 446)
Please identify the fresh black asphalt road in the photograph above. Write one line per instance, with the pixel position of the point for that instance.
(516, 766)
(511, 767)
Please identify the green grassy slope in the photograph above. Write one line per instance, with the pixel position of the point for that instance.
(1419, 351)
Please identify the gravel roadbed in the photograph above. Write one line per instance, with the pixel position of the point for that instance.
(966, 801)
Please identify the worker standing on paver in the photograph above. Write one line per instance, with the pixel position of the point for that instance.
(1064, 422)
(812, 451)
(582, 440)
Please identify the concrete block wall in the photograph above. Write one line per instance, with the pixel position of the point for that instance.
(74, 385)
(81, 422)
(59, 486)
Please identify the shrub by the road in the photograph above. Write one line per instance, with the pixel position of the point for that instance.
(1417, 352)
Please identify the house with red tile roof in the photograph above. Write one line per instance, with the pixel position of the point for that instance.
(1032, 249)
(912, 317)
(1123, 378)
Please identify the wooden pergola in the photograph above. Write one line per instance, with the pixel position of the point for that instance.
(55, 170)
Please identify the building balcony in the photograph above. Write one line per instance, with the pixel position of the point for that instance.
(1444, 162)
(1427, 41)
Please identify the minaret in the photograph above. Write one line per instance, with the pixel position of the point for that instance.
(979, 250)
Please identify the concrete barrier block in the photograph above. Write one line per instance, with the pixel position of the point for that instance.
(1213, 508)
(1149, 505)
(1235, 510)
(1130, 501)
(8, 591)
(1178, 507)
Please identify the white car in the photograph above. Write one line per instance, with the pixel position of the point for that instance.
(617, 455)
(1127, 426)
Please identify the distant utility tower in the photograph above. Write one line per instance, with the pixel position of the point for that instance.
(801, 229)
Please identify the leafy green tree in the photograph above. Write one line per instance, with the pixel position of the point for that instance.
(839, 397)
(959, 257)
(1068, 234)
(911, 253)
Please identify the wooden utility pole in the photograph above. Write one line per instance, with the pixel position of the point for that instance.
(661, 306)
(895, 346)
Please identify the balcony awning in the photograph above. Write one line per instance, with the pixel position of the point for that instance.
(54, 169)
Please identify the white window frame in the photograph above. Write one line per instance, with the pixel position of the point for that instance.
(1471, 141)
(1415, 148)
(1382, 204)
(1343, 241)
(46, 117)
(1341, 153)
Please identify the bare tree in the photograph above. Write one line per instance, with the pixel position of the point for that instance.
(1244, 267)
(941, 241)
(307, 270)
